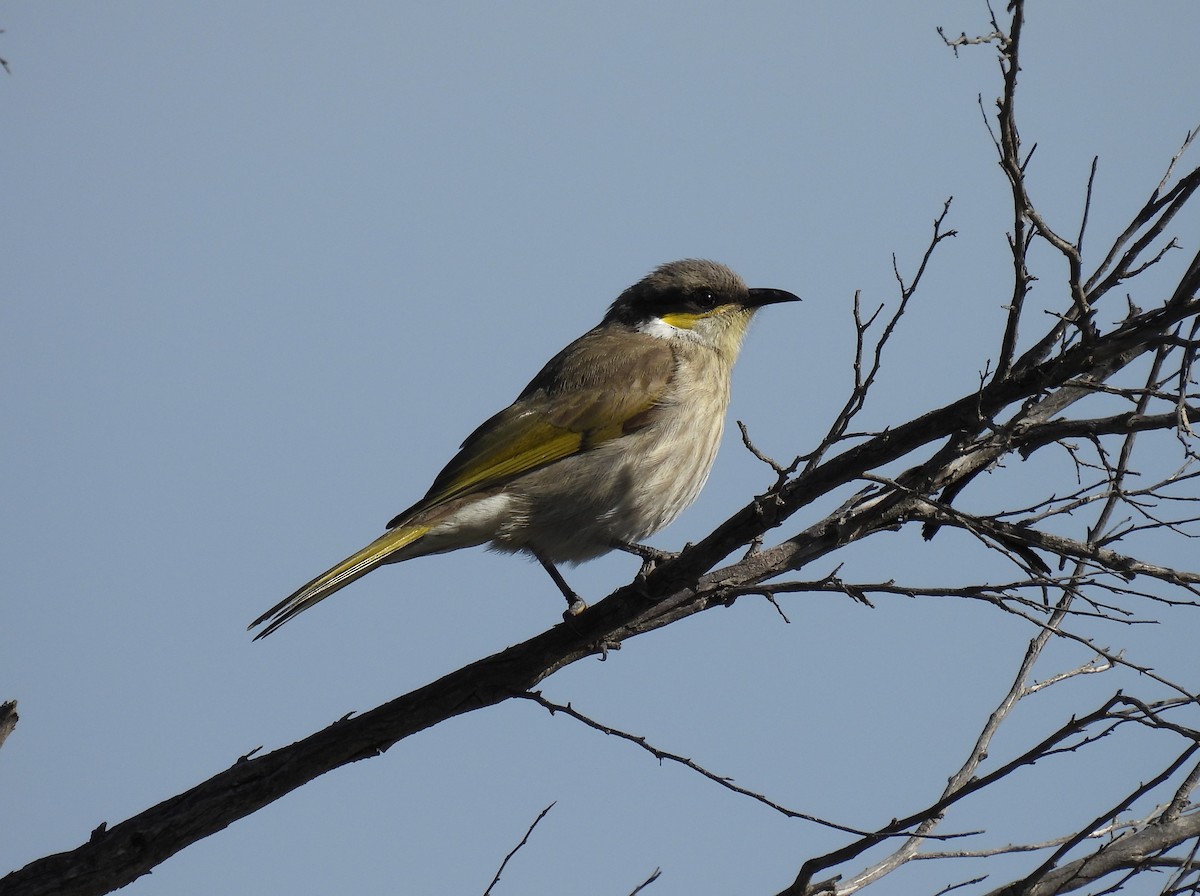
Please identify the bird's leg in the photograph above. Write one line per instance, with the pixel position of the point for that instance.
(651, 557)
(575, 603)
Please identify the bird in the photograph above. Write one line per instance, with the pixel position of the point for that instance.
(608, 443)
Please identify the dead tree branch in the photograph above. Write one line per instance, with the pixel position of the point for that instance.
(1087, 384)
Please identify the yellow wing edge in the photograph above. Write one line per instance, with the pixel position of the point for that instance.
(337, 577)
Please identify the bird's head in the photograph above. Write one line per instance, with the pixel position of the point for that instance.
(696, 300)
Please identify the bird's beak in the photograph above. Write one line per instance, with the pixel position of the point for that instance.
(760, 297)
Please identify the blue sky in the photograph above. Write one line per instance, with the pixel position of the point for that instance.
(266, 264)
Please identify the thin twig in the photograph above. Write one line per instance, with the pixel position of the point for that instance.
(516, 849)
(654, 875)
(568, 710)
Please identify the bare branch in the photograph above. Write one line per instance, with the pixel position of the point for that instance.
(962, 784)
(1123, 852)
(781, 472)
(8, 719)
(654, 875)
(1074, 545)
(660, 755)
(1182, 798)
(863, 381)
(963, 41)
(516, 849)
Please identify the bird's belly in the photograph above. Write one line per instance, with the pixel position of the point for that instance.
(620, 491)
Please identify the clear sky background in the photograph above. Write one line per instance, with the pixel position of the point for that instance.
(265, 264)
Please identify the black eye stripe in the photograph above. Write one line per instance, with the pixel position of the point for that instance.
(699, 300)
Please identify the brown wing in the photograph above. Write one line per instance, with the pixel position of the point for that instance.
(606, 384)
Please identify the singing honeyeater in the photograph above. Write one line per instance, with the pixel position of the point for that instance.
(609, 442)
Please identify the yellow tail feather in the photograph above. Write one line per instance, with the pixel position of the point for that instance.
(353, 567)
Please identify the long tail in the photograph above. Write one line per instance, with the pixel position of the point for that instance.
(353, 567)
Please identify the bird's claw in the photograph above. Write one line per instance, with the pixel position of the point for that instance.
(648, 554)
(575, 606)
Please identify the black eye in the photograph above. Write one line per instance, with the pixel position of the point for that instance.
(704, 299)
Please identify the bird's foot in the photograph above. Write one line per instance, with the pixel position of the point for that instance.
(575, 606)
(644, 551)
(575, 603)
(651, 557)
